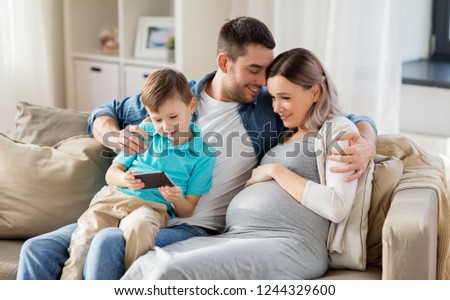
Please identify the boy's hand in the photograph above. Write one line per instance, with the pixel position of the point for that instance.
(132, 182)
(171, 193)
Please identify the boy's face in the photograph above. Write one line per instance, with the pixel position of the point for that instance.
(173, 118)
(247, 74)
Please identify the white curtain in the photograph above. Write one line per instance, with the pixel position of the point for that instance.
(31, 55)
(358, 41)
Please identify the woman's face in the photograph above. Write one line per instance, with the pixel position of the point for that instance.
(291, 101)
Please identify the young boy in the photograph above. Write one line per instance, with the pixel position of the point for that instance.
(175, 146)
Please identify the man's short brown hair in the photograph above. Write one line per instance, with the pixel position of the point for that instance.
(162, 85)
(236, 34)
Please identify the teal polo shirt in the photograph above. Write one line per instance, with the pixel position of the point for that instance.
(189, 165)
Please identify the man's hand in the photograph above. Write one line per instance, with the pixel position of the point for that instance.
(106, 131)
(358, 155)
(127, 140)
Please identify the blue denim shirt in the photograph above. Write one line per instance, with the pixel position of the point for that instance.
(262, 124)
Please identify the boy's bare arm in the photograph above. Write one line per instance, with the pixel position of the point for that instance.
(185, 209)
(183, 206)
(117, 175)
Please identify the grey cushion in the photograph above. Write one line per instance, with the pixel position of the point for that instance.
(46, 126)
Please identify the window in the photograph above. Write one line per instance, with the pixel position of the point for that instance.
(441, 28)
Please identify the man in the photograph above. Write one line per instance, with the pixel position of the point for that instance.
(235, 115)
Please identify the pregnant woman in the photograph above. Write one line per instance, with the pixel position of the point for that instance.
(293, 211)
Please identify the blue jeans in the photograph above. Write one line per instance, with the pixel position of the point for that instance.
(43, 257)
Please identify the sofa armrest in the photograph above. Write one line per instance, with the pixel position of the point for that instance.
(410, 235)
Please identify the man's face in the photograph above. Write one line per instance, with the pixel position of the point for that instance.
(246, 75)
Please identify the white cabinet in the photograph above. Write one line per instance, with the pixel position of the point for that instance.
(424, 118)
(425, 110)
(135, 78)
(197, 24)
(95, 83)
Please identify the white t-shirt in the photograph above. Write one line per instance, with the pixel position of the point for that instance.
(222, 128)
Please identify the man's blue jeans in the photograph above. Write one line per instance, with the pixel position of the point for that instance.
(43, 257)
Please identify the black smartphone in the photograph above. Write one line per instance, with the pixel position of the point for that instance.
(154, 179)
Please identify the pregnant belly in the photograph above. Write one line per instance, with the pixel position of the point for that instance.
(261, 206)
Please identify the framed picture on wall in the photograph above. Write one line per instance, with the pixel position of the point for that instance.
(153, 37)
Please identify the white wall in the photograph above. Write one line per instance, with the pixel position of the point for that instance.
(31, 62)
(416, 28)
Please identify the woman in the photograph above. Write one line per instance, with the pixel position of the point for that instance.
(292, 212)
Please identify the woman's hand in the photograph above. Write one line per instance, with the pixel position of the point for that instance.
(171, 193)
(262, 173)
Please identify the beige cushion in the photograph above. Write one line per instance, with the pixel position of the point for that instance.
(46, 126)
(43, 188)
(354, 239)
(347, 240)
(388, 171)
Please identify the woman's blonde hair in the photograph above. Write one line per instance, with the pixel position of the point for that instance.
(302, 67)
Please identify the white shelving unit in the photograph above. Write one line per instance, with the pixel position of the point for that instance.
(93, 77)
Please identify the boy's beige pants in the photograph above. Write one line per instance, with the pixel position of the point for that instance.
(139, 220)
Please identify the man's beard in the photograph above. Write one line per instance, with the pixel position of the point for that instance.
(240, 96)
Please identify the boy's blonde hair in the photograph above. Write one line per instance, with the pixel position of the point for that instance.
(163, 84)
